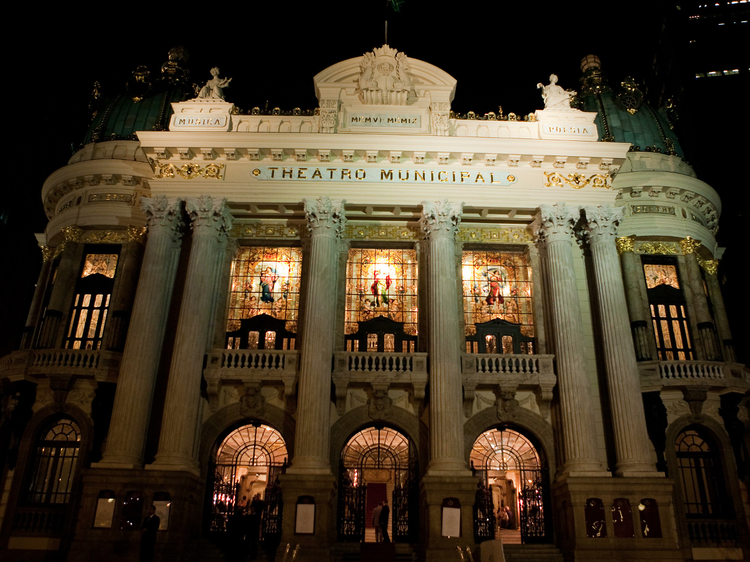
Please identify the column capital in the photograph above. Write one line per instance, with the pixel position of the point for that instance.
(325, 216)
(47, 253)
(555, 222)
(440, 219)
(162, 211)
(709, 266)
(137, 234)
(625, 244)
(71, 233)
(689, 245)
(209, 215)
(602, 222)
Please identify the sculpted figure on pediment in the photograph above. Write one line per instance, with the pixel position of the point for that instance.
(384, 78)
(214, 88)
(555, 97)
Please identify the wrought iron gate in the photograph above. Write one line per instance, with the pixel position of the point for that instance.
(531, 504)
(484, 514)
(352, 513)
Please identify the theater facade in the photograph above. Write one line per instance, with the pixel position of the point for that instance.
(508, 327)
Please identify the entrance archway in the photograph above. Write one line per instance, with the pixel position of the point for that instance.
(243, 475)
(514, 485)
(378, 463)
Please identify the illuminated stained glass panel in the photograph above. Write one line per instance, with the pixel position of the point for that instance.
(497, 285)
(660, 274)
(381, 283)
(104, 264)
(265, 281)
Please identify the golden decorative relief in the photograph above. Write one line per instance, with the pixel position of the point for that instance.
(474, 234)
(187, 171)
(71, 233)
(657, 248)
(137, 234)
(379, 232)
(264, 231)
(689, 245)
(709, 266)
(58, 250)
(105, 236)
(625, 244)
(577, 180)
(47, 253)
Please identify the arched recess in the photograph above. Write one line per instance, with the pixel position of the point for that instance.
(61, 526)
(714, 430)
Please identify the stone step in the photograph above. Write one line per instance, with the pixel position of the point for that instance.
(532, 553)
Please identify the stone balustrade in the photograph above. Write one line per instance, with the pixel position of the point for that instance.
(505, 375)
(250, 366)
(713, 532)
(656, 375)
(101, 365)
(381, 370)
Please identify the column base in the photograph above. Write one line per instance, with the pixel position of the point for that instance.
(315, 546)
(448, 468)
(310, 465)
(433, 491)
(175, 463)
(569, 497)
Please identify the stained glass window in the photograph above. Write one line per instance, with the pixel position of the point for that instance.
(104, 264)
(381, 283)
(660, 274)
(497, 285)
(265, 280)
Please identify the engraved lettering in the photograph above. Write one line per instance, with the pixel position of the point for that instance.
(386, 175)
(358, 176)
(317, 174)
(301, 173)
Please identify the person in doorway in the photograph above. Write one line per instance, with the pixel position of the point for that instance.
(376, 522)
(148, 535)
(253, 529)
(385, 512)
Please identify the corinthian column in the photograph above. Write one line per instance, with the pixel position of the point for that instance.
(32, 320)
(639, 315)
(439, 222)
(554, 226)
(211, 222)
(325, 220)
(706, 330)
(140, 359)
(623, 380)
(720, 311)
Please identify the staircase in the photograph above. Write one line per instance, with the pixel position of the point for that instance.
(532, 553)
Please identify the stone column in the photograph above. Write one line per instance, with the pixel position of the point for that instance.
(326, 220)
(623, 379)
(123, 292)
(140, 360)
(63, 288)
(35, 311)
(720, 311)
(439, 223)
(219, 325)
(554, 226)
(640, 317)
(706, 329)
(211, 222)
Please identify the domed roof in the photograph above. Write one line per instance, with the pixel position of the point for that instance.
(622, 115)
(143, 105)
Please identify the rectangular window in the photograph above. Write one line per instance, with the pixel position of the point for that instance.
(666, 302)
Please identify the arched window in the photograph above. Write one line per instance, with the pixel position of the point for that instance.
(699, 467)
(54, 464)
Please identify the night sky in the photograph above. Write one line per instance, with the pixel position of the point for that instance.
(497, 51)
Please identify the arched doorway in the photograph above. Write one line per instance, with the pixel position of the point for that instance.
(514, 485)
(244, 470)
(378, 463)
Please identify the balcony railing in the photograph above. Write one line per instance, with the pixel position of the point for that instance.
(505, 375)
(250, 367)
(713, 532)
(378, 370)
(46, 520)
(98, 364)
(658, 374)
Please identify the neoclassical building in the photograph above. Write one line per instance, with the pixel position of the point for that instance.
(508, 327)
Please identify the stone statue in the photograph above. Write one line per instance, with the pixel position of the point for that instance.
(214, 87)
(554, 96)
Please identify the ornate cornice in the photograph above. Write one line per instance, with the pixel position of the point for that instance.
(625, 244)
(325, 215)
(440, 218)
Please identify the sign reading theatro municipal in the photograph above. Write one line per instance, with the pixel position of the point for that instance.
(452, 322)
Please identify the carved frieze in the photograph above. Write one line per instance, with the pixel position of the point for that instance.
(188, 171)
(577, 180)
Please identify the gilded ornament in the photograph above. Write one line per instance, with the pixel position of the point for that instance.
(71, 233)
(187, 171)
(511, 178)
(577, 180)
(137, 234)
(709, 266)
(657, 248)
(46, 253)
(625, 244)
(689, 245)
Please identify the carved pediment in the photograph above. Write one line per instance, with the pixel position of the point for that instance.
(385, 78)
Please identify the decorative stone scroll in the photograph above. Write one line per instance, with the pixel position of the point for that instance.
(384, 78)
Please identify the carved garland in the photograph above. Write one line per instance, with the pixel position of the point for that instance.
(188, 171)
(578, 181)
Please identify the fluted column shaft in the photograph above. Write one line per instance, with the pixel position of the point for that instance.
(32, 320)
(326, 221)
(623, 379)
(182, 408)
(140, 359)
(439, 223)
(720, 311)
(706, 329)
(123, 292)
(554, 225)
(61, 295)
(640, 318)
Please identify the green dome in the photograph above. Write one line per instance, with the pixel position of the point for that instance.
(622, 115)
(143, 105)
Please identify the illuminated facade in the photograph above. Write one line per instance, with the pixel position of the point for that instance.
(505, 327)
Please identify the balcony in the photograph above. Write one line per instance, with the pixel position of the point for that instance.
(657, 375)
(250, 368)
(505, 375)
(103, 366)
(379, 371)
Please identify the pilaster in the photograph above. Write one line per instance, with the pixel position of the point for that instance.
(706, 330)
(325, 220)
(623, 382)
(140, 359)
(33, 318)
(640, 325)
(710, 267)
